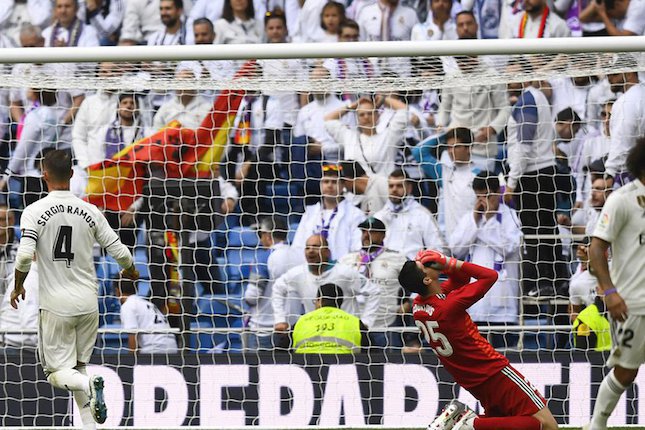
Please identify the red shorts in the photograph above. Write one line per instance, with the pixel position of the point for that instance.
(508, 394)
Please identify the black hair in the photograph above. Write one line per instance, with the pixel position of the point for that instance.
(351, 170)
(465, 12)
(276, 225)
(486, 181)
(462, 135)
(58, 164)
(127, 287)
(330, 295)
(227, 12)
(399, 173)
(276, 13)
(636, 159)
(568, 115)
(179, 4)
(348, 23)
(411, 278)
(204, 20)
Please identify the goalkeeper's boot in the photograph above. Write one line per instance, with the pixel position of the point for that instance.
(449, 416)
(466, 421)
(97, 401)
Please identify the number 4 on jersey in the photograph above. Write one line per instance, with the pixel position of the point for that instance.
(63, 245)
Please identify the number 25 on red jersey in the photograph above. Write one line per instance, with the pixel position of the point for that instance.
(431, 336)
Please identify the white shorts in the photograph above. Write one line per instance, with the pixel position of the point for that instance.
(65, 341)
(628, 342)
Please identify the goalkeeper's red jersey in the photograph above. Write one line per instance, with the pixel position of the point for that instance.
(443, 320)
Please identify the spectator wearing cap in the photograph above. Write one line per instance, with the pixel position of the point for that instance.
(380, 266)
(328, 329)
(334, 217)
(369, 193)
(238, 23)
(257, 295)
(67, 29)
(410, 226)
(375, 150)
(187, 107)
(536, 22)
(490, 236)
(454, 172)
(360, 298)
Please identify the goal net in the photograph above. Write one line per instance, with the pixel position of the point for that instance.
(246, 185)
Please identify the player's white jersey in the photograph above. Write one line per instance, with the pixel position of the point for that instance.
(139, 313)
(62, 230)
(622, 222)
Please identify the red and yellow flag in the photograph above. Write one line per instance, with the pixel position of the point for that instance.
(181, 152)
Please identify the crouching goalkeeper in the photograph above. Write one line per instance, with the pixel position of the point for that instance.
(509, 400)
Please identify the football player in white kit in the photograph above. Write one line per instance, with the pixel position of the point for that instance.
(60, 230)
(622, 225)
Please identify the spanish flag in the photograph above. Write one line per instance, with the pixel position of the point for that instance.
(116, 183)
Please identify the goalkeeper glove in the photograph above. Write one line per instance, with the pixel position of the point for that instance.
(436, 260)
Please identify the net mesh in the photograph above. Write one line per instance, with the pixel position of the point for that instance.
(204, 167)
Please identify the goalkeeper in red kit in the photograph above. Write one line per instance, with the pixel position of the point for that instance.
(510, 402)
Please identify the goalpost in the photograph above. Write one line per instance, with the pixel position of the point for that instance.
(172, 121)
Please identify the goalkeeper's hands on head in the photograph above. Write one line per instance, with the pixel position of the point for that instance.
(436, 260)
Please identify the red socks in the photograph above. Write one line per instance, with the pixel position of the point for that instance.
(507, 423)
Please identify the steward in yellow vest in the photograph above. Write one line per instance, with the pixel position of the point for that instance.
(328, 329)
(591, 328)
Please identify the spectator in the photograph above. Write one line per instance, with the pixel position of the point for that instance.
(24, 318)
(7, 245)
(369, 193)
(329, 329)
(106, 16)
(138, 313)
(455, 173)
(387, 20)
(141, 21)
(620, 18)
(308, 20)
(585, 219)
(482, 109)
(360, 298)
(203, 31)
(173, 31)
(212, 11)
(334, 218)
(488, 13)
(531, 185)
(187, 107)
(627, 124)
(67, 29)
(238, 23)
(282, 258)
(15, 15)
(572, 93)
(376, 151)
(582, 286)
(410, 226)
(439, 24)
(38, 133)
(490, 236)
(381, 267)
(350, 68)
(331, 16)
(311, 124)
(589, 21)
(537, 21)
(570, 139)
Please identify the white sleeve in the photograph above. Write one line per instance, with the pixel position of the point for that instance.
(6, 8)
(635, 19)
(443, 115)
(432, 237)
(253, 292)
(106, 26)
(40, 11)
(31, 136)
(80, 135)
(227, 190)
(109, 240)
(463, 236)
(279, 296)
(30, 230)
(624, 128)
(370, 292)
(338, 131)
(131, 29)
(611, 219)
(500, 102)
(502, 237)
(516, 158)
(128, 317)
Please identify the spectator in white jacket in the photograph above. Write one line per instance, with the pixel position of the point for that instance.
(334, 217)
(490, 236)
(14, 14)
(376, 151)
(67, 29)
(282, 258)
(360, 298)
(106, 16)
(410, 226)
(24, 318)
(381, 267)
(238, 23)
(187, 107)
(369, 193)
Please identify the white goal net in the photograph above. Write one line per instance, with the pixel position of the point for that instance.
(246, 186)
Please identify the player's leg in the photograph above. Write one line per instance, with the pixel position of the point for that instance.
(83, 402)
(57, 352)
(86, 331)
(625, 359)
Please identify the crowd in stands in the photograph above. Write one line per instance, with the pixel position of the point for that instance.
(328, 188)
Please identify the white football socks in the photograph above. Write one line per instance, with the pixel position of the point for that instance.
(83, 402)
(608, 396)
(70, 379)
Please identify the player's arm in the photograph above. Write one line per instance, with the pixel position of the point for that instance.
(132, 343)
(24, 256)
(109, 240)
